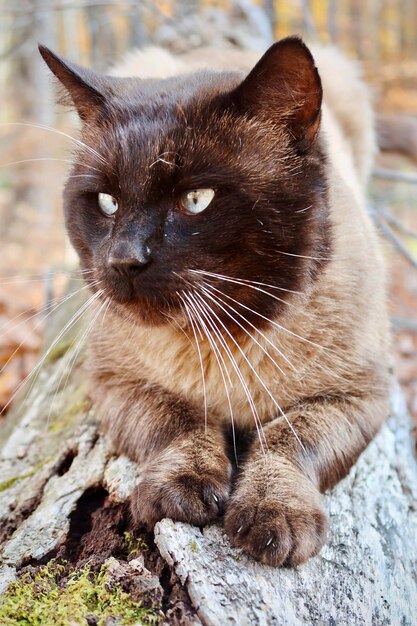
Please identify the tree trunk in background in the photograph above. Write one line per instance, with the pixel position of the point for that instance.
(63, 494)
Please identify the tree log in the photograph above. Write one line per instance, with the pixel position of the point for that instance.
(63, 495)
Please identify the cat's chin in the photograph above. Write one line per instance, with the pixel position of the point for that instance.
(146, 313)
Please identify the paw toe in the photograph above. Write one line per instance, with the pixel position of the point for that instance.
(276, 535)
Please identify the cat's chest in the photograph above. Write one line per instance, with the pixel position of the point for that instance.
(235, 377)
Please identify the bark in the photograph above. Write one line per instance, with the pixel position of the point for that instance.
(63, 495)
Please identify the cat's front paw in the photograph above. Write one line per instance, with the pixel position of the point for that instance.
(188, 482)
(276, 516)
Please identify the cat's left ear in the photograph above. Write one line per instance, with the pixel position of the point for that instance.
(285, 86)
(87, 90)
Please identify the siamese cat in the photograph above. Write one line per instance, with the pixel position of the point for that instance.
(242, 360)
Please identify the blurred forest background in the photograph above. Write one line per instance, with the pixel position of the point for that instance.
(34, 256)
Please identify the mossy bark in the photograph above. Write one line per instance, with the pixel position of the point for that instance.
(64, 496)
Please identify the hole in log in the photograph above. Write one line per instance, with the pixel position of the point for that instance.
(96, 529)
(66, 462)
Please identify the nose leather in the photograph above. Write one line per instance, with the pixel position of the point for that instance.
(129, 259)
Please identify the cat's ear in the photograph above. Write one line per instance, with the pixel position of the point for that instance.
(86, 89)
(285, 86)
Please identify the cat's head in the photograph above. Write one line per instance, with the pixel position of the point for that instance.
(203, 188)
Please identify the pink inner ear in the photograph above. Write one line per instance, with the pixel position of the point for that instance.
(285, 86)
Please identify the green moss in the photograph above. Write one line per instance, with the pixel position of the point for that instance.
(10, 482)
(6, 484)
(58, 351)
(134, 546)
(62, 421)
(193, 546)
(48, 599)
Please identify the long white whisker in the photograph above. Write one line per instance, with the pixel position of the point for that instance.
(55, 302)
(203, 308)
(68, 367)
(41, 321)
(219, 358)
(69, 324)
(108, 300)
(203, 379)
(245, 281)
(207, 331)
(217, 301)
(59, 132)
(37, 367)
(175, 325)
(40, 277)
(255, 328)
(274, 323)
(260, 380)
(304, 256)
(59, 160)
(271, 295)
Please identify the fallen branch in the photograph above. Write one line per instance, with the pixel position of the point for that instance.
(396, 241)
(393, 221)
(401, 177)
(400, 323)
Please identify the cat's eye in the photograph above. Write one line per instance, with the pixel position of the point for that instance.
(108, 204)
(196, 200)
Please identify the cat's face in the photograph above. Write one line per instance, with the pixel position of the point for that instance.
(199, 189)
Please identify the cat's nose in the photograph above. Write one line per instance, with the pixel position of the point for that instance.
(129, 260)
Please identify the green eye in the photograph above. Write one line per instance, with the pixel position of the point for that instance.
(107, 204)
(196, 200)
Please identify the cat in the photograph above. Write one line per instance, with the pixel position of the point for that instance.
(243, 357)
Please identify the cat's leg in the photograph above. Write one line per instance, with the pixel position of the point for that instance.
(275, 512)
(185, 470)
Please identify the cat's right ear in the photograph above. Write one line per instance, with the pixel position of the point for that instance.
(87, 90)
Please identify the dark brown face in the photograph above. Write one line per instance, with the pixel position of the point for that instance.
(200, 187)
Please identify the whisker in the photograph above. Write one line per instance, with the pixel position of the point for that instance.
(259, 379)
(203, 379)
(175, 325)
(41, 321)
(108, 300)
(59, 160)
(207, 332)
(40, 277)
(67, 368)
(305, 256)
(233, 361)
(279, 326)
(245, 281)
(217, 301)
(82, 176)
(45, 307)
(310, 206)
(218, 355)
(61, 133)
(78, 314)
(37, 367)
(208, 286)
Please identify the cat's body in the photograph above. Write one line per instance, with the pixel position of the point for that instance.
(300, 366)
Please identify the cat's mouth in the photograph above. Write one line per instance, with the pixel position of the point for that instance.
(143, 300)
(191, 299)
